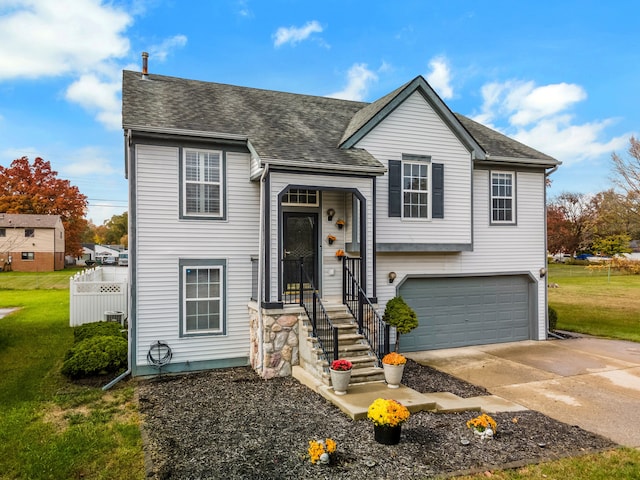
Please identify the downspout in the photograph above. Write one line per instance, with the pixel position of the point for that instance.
(546, 289)
(123, 375)
(261, 261)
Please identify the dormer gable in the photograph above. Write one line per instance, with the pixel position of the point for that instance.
(367, 118)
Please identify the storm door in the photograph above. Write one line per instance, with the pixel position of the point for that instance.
(299, 246)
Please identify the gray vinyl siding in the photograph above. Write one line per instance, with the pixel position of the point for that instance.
(415, 129)
(163, 239)
(497, 250)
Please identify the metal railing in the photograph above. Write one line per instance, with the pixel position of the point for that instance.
(370, 325)
(323, 330)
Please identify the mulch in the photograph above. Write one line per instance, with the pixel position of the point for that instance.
(231, 424)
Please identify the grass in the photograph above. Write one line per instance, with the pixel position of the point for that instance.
(595, 303)
(51, 428)
(37, 281)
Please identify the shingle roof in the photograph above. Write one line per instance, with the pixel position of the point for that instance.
(496, 144)
(23, 220)
(284, 128)
(280, 126)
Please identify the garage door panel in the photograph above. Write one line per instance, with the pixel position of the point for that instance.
(455, 312)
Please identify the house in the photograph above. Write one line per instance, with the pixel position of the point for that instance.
(31, 243)
(237, 194)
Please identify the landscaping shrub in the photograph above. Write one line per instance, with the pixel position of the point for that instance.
(553, 318)
(97, 355)
(104, 329)
(400, 315)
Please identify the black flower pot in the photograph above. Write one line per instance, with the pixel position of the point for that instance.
(387, 435)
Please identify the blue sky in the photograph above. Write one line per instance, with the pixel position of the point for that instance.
(561, 76)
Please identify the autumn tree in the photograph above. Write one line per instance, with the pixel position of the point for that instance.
(117, 228)
(36, 189)
(574, 217)
(627, 169)
(615, 214)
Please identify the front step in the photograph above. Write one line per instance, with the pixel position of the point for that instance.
(352, 346)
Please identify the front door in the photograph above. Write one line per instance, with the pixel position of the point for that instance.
(300, 243)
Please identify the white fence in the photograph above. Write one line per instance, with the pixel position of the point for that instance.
(97, 291)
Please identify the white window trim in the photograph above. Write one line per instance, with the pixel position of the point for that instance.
(512, 197)
(220, 183)
(222, 297)
(429, 191)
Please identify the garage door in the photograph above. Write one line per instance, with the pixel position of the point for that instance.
(457, 312)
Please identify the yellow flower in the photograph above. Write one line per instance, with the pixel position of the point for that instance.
(387, 413)
(482, 422)
(318, 447)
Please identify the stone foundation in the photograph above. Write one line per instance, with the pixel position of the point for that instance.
(280, 345)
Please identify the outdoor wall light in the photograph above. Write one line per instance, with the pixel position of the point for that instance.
(330, 213)
(543, 272)
(392, 276)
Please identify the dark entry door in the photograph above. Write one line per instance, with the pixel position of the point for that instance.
(300, 243)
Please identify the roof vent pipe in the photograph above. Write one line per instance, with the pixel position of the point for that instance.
(145, 65)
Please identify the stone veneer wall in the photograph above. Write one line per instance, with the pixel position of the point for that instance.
(280, 341)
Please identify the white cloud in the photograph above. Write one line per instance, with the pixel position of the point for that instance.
(162, 51)
(88, 162)
(295, 35)
(96, 94)
(540, 116)
(359, 78)
(45, 38)
(440, 77)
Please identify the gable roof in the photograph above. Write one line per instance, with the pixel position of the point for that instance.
(368, 117)
(293, 130)
(24, 220)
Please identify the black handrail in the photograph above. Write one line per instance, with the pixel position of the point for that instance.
(323, 330)
(370, 325)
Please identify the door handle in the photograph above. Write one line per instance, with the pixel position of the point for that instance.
(287, 252)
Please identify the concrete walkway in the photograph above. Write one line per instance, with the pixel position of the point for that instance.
(6, 311)
(590, 382)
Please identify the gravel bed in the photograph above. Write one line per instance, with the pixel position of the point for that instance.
(231, 424)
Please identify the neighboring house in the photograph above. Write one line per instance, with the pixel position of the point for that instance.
(31, 243)
(231, 186)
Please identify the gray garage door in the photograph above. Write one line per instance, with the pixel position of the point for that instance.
(457, 312)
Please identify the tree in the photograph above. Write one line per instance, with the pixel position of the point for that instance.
(117, 229)
(36, 189)
(400, 315)
(612, 245)
(627, 169)
(615, 214)
(575, 216)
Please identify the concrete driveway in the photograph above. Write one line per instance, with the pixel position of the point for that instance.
(590, 382)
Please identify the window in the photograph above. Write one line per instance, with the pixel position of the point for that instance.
(416, 187)
(3, 232)
(28, 256)
(29, 232)
(502, 197)
(202, 297)
(296, 196)
(203, 183)
(415, 190)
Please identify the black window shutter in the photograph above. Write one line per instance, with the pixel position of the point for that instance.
(395, 188)
(437, 185)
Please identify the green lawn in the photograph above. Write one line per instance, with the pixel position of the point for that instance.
(51, 428)
(595, 303)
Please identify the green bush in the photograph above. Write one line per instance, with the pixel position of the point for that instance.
(553, 318)
(97, 355)
(400, 315)
(104, 329)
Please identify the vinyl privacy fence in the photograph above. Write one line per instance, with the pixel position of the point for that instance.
(97, 294)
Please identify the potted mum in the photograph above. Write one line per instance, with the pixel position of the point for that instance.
(339, 254)
(484, 426)
(387, 417)
(393, 364)
(340, 224)
(322, 452)
(331, 239)
(340, 375)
